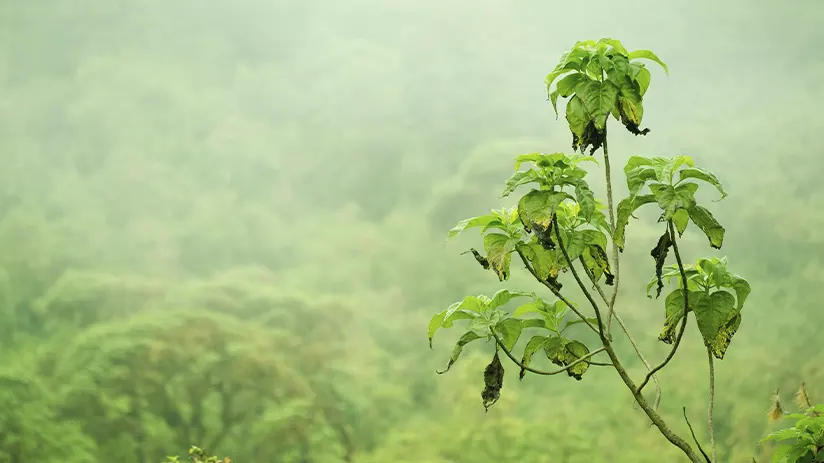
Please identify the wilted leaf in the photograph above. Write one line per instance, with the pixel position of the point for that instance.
(659, 254)
(493, 382)
(467, 337)
(707, 223)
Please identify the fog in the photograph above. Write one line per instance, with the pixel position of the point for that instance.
(222, 224)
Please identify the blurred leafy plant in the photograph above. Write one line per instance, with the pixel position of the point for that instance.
(803, 442)
(198, 455)
(559, 225)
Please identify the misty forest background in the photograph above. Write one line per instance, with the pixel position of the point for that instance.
(223, 224)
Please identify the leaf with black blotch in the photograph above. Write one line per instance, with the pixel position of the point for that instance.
(659, 253)
(498, 253)
(467, 337)
(722, 339)
(493, 382)
(478, 257)
(715, 314)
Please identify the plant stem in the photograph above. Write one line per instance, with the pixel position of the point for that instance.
(712, 401)
(541, 372)
(683, 326)
(634, 344)
(622, 372)
(695, 438)
(615, 257)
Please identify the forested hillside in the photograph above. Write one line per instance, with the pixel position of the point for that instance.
(223, 224)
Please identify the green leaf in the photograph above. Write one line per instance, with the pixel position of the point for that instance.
(585, 199)
(577, 116)
(702, 218)
(467, 337)
(565, 88)
(616, 45)
(509, 330)
(674, 308)
(681, 219)
(598, 98)
(673, 164)
(498, 247)
(532, 346)
(640, 75)
(538, 207)
(521, 178)
(701, 174)
(742, 290)
(625, 209)
(503, 296)
(714, 313)
(646, 54)
(592, 320)
(470, 307)
(543, 261)
(575, 351)
(536, 306)
(672, 198)
(638, 177)
(479, 221)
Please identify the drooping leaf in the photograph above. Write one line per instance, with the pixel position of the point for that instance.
(578, 118)
(503, 296)
(532, 346)
(467, 337)
(596, 261)
(674, 308)
(646, 54)
(493, 382)
(521, 178)
(659, 255)
(681, 219)
(498, 247)
(714, 313)
(625, 209)
(479, 258)
(638, 177)
(742, 290)
(616, 45)
(704, 219)
(575, 351)
(509, 330)
(586, 199)
(701, 174)
(536, 306)
(479, 221)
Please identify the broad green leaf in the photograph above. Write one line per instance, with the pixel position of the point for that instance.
(495, 224)
(538, 207)
(521, 178)
(638, 177)
(577, 116)
(706, 222)
(625, 209)
(509, 330)
(498, 247)
(585, 199)
(713, 313)
(780, 453)
(469, 223)
(781, 434)
(538, 305)
(544, 160)
(503, 296)
(592, 320)
(533, 323)
(467, 337)
(742, 290)
(565, 88)
(672, 198)
(594, 237)
(701, 174)
(646, 54)
(681, 219)
(555, 349)
(467, 309)
(543, 261)
(532, 346)
(641, 76)
(598, 98)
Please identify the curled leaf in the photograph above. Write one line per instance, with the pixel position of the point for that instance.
(659, 253)
(493, 382)
(467, 337)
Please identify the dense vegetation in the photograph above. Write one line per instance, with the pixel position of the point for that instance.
(219, 228)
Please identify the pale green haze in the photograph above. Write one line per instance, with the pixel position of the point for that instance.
(223, 224)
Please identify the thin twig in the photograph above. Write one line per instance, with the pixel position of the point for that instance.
(556, 292)
(541, 372)
(632, 341)
(601, 330)
(683, 326)
(712, 401)
(695, 438)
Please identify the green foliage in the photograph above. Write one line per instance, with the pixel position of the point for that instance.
(601, 79)
(803, 442)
